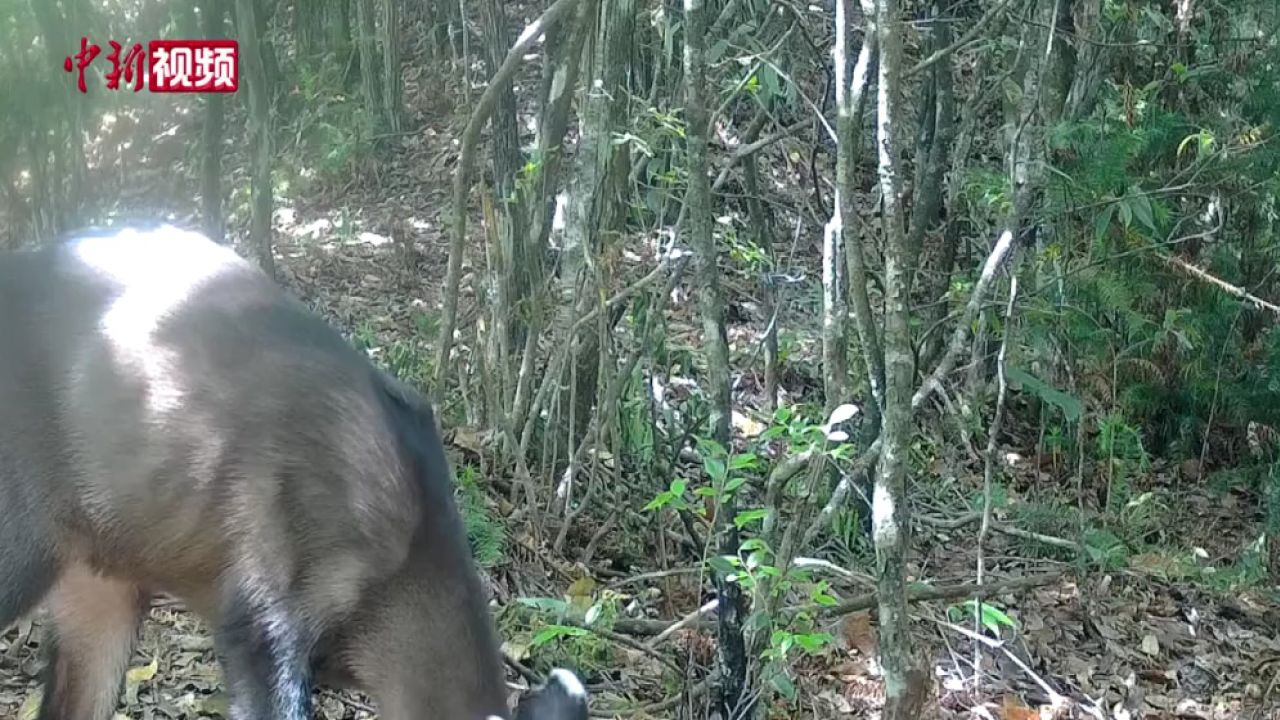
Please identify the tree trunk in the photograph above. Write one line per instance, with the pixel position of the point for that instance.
(538, 192)
(367, 44)
(507, 286)
(595, 202)
(392, 81)
(906, 684)
(462, 183)
(308, 24)
(260, 131)
(933, 141)
(213, 26)
(560, 80)
(851, 93)
(731, 699)
(762, 236)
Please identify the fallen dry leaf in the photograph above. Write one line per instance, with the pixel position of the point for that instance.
(858, 635)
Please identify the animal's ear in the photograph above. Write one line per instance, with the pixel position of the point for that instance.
(562, 697)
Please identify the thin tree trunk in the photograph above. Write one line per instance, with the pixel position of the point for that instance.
(594, 203)
(906, 684)
(462, 178)
(835, 366)
(937, 287)
(564, 61)
(507, 280)
(367, 44)
(263, 11)
(850, 100)
(392, 81)
(213, 25)
(762, 236)
(934, 141)
(731, 697)
(308, 23)
(260, 131)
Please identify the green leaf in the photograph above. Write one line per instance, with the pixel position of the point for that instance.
(824, 598)
(813, 642)
(772, 83)
(749, 516)
(1070, 406)
(1142, 210)
(734, 484)
(662, 500)
(992, 617)
(552, 632)
(772, 433)
(1102, 221)
(782, 685)
(714, 467)
(722, 564)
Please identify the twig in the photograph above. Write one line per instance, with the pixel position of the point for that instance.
(655, 575)
(1225, 286)
(958, 522)
(683, 622)
(989, 467)
(938, 592)
(521, 669)
(1055, 699)
(742, 151)
(657, 708)
(964, 40)
(621, 639)
(819, 563)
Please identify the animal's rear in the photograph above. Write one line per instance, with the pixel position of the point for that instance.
(171, 421)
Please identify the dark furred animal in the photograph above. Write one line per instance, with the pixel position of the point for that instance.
(171, 421)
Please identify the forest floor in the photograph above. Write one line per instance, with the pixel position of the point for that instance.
(1152, 640)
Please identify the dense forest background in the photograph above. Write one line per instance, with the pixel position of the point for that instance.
(901, 358)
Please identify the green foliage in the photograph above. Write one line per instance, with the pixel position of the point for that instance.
(1248, 570)
(330, 128)
(1052, 518)
(562, 631)
(486, 533)
(408, 356)
(989, 616)
(1068, 404)
(1154, 352)
(1105, 549)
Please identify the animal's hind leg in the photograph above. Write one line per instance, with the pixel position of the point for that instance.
(95, 625)
(265, 657)
(26, 574)
(28, 565)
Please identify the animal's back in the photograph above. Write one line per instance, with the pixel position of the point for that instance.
(191, 396)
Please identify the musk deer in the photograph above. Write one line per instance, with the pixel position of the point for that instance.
(171, 421)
